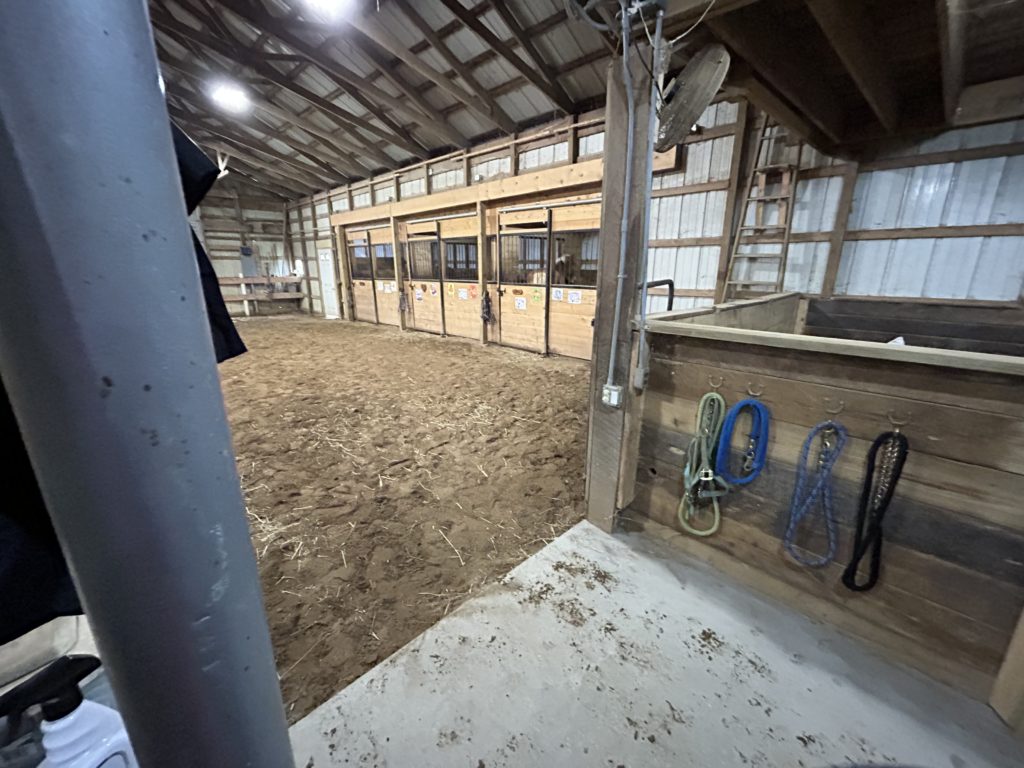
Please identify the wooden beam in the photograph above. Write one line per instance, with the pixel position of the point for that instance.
(754, 33)
(497, 115)
(526, 42)
(764, 97)
(952, 35)
(305, 171)
(375, 97)
(613, 437)
(374, 30)
(858, 46)
(389, 72)
(732, 201)
(989, 102)
(838, 236)
(970, 230)
(179, 32)
(563, 178)
(340, 146)
(482, 261)
(530, 73)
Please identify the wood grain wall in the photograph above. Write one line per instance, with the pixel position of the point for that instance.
(952, 586)
(971, 328)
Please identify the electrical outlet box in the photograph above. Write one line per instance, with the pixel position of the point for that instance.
(611, 395)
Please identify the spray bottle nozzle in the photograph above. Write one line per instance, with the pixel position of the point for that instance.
(55, 688)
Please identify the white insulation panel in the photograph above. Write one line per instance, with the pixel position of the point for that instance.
(982, 268)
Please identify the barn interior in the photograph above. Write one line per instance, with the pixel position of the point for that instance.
(594, 350)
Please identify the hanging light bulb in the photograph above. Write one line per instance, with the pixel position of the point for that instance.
(230, 97)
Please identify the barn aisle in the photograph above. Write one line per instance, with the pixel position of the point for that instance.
(611, 651)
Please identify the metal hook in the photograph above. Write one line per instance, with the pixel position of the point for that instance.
(751, 392)
(833, 411)
(713, 385)
(897, 422)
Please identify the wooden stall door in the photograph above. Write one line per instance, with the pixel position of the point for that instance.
(575, 247)
(522, 313)
(364, 308)
(523, 280)
(571, 319)
(425, 303)
(387, 301)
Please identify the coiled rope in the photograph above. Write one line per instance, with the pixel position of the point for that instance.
(874, 502)
(757, 444)
(700, 483)
(813, 492)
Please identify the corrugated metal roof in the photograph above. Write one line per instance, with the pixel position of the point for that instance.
(562, 42)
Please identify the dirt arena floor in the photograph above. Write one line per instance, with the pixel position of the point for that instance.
(388, 477)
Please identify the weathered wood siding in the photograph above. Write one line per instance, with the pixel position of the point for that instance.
(969, 328)
(952, 584)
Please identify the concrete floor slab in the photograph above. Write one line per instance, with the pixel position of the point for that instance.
(614, 651)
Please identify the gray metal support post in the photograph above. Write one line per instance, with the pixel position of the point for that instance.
(106, 355)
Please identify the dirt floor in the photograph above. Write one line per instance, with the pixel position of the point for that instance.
(390, 475)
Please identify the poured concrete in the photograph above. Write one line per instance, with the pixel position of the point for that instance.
(613, 651)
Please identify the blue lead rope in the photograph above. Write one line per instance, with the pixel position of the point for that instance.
(814, 493)
(757, 445)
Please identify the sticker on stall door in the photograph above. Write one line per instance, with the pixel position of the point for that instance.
(463, 294)
(575, 297)
(538, 296)
(419, 295)
(472, 291)
(556, 294)
(433, 290)
(451, 289)
(521, 303)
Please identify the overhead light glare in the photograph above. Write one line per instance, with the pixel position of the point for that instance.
(329, 10)
(230, 98)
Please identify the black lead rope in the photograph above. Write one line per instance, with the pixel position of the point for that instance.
(874, 502)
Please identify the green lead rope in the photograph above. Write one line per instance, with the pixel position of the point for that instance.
(702, 487)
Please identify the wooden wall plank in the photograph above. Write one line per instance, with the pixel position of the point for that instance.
(571, 330)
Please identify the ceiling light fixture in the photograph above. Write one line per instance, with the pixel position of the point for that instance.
(329, 10)
(230, 97)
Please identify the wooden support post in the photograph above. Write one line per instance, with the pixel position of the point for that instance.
(396, 254)
(305, 262)
(1008, 692)
(482, 261)
(732, 203)
(838, 237)
(610, 451)
(344, 281)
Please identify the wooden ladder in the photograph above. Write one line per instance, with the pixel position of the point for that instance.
(765, 174)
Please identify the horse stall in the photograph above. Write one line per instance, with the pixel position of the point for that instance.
(385, 280)
(360, 269)
(522, 279)
(802, 493)
(575, 247)
(460, 275)
(424, 296)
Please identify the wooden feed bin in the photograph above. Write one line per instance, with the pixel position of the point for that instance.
(952, 578)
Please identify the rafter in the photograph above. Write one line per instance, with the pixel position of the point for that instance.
(849, 32)
(301, 170)
(180, 32)
(530, 73)
(375, 31)
(526, 42)
(262, 19)
(497, 115)
(350, 158)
